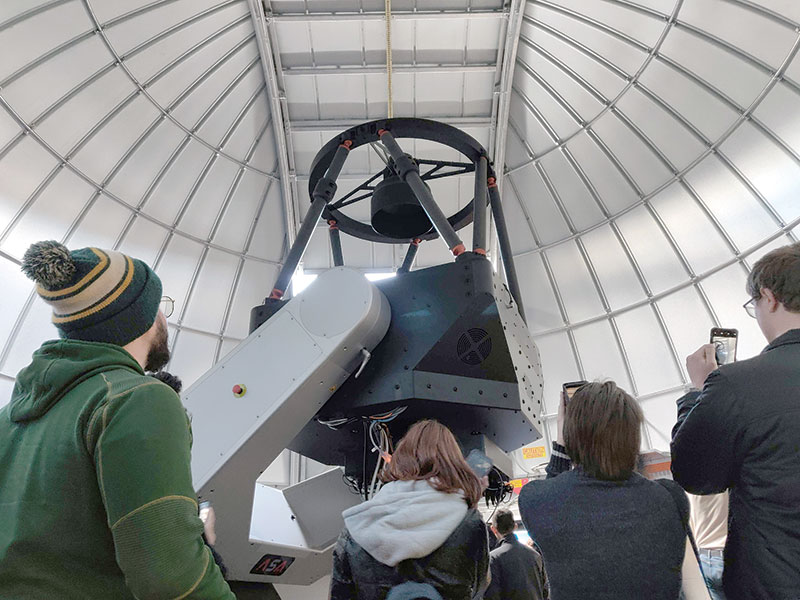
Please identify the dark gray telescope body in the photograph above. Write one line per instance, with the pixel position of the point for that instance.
(456, 351)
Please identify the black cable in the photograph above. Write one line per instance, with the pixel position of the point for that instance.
(489, 520)
(364, 471)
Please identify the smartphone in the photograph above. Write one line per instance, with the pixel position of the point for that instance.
(572, 387)
(724, 341)
(479, 463)
(204, 508)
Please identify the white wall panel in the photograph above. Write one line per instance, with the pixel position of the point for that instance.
(614, 269)
(659, 263)
(199, 63)
(771, 170)
(575, 285)
(600, 355)
(559, 367)
(702, 243)
(205, 306)
(651, 360)
(192, 355)
(541, 306)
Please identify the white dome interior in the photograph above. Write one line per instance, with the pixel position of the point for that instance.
(651, 153)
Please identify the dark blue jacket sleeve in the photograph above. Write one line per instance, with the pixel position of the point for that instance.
(559, 461)
(342, 585)
(707, 446)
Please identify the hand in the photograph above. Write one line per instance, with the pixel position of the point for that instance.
(562, 413)
(701, 364)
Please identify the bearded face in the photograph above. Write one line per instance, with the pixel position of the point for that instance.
(158, 355)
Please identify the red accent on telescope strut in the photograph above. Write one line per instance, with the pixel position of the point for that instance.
(457, 250)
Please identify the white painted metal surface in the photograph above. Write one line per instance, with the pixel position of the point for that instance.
(652, 155)
(285, 371)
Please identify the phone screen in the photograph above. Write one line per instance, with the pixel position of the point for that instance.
(572, 387)
(479, 463)
(724, 341)
(204, 508)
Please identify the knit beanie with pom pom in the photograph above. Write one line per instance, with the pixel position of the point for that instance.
(96, 295)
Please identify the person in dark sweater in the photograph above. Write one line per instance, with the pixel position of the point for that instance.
(517, 570)
(605, 531)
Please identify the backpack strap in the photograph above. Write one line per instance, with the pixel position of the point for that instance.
(679, 496)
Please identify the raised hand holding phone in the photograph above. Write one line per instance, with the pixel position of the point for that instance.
(700, 364)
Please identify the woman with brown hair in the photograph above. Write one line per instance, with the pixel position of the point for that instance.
(421, 526)
(605, 531)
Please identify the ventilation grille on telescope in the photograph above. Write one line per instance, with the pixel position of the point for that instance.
(474, 346)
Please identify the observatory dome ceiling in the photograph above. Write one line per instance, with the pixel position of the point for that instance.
(648, 151)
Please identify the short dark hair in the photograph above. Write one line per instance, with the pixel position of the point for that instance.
(603, 430)
(504, 521)
(779, 272)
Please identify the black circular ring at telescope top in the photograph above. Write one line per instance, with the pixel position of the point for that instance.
(400, 128)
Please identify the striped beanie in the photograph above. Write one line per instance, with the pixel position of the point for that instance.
(96, 295)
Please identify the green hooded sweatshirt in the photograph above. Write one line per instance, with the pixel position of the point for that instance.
(96, 497)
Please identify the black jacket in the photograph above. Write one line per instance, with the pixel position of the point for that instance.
(742, 433)
(517, 572)
(458, 569)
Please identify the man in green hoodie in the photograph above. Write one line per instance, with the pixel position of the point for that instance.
(96, 496)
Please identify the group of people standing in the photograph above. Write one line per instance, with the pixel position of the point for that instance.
(96, 498)
(606, 532)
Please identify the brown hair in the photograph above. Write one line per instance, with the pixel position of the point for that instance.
(429, 451)
(779, 272)
(602, 430)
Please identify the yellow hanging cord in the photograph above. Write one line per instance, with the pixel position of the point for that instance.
(389, 57)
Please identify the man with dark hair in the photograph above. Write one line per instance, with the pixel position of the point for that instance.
(741, 432)
(605, 532)
(96, 496)
(517, 570)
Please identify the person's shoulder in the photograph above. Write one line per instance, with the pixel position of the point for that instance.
(542, 488)
(473, 517)
(121, 381)
(473, 523)
(136, 392)
(675, 492)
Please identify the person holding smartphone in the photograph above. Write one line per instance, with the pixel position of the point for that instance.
(738, 430)
(96, 495)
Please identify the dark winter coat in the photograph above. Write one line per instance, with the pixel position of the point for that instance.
(517, 572)
(742, 434)
(457, 569)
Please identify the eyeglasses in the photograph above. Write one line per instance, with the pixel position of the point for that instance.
(167, 306)
(750, 307)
